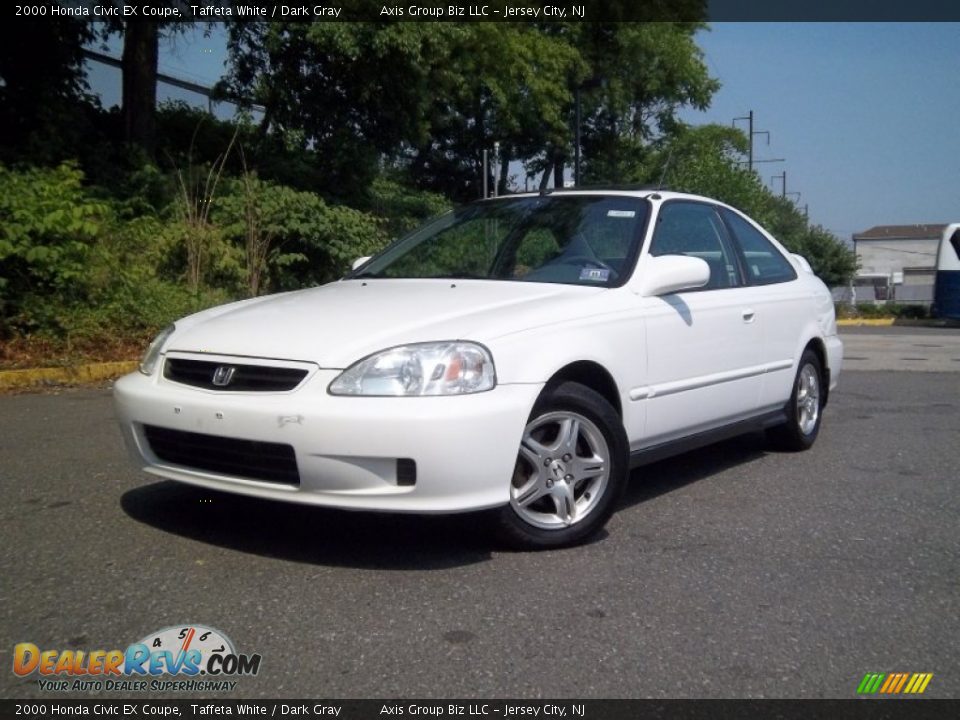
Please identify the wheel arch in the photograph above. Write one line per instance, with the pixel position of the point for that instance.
(590, 374)
(820, 349)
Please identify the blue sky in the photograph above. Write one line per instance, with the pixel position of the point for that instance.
(866, 115)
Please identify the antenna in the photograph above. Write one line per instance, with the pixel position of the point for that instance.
(666, 166)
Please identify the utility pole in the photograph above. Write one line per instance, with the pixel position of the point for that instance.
(576, 147)
(750, 135)
(485, 171)
(496, 168)
(588, 84)
(749, 118)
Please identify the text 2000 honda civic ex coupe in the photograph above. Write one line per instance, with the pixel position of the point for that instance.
(518, 355)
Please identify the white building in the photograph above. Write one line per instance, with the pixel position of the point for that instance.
(897, 262)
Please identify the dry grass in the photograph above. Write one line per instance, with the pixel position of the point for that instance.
(20, 353)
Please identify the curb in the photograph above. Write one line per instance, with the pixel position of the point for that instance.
(871, 322)
(899, 322)
(75, 375)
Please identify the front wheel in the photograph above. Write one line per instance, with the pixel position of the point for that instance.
(805, 408)
(570, 471)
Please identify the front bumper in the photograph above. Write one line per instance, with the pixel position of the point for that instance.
(346, 448)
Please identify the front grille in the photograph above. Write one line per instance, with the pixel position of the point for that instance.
(204, 374)
(252, 459)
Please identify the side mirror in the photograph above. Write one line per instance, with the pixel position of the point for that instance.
(359, 261)
(665, 274)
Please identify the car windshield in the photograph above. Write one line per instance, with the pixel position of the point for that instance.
(575, 239)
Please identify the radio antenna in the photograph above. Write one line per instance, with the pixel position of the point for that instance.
(666, 166)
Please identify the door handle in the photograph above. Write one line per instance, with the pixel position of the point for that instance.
(748, 315)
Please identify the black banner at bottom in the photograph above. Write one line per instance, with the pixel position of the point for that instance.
(867, 709)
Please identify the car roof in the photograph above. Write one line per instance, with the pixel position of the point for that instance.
(649, 192)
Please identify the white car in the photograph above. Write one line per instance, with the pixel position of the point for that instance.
(518, 355)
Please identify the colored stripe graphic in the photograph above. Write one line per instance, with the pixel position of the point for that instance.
(870, 683)
(894, 683)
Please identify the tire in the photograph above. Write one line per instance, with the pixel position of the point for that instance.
(804, 409)
(571, 469)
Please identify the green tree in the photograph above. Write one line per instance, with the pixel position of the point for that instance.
(433, 96)
(704, 160)
(639, 76)
(707, 160)
(42, 88)
(139, 64)
(831, 259)
(357, 91)
(500, 82)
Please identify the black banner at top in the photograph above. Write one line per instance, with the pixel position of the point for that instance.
(498, 10)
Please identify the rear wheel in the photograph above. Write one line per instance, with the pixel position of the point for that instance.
(805, 408)
(571, 468)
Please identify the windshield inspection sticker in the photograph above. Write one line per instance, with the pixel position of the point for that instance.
(595, 274)
(622, 213)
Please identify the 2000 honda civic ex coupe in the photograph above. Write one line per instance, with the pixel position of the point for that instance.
(518, 354)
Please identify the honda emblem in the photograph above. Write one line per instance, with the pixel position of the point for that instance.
(223, 375)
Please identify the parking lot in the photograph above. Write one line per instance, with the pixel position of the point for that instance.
(728, 572)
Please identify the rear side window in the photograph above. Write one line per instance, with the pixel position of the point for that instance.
(763, 262)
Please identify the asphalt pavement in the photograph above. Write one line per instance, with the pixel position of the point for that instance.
(911, 349)
(732, 571)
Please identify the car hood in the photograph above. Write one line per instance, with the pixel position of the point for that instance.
(337, 324)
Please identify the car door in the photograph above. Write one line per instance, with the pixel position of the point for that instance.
(783, 302)
(703, 346)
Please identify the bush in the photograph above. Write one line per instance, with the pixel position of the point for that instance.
(77, 271)
(92, 274)
(296, 238)
(911, 311)
(132, 283)
(48, 224)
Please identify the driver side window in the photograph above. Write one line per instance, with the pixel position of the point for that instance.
(695, 229)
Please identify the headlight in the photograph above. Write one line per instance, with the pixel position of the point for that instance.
(436, 368)
(152, 355)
